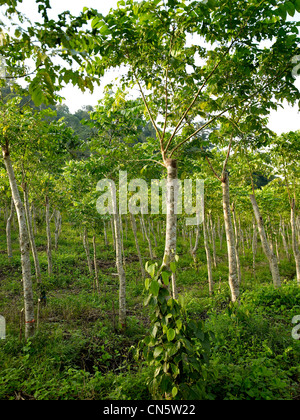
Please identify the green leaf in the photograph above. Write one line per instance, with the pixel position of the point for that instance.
(171, 334)
(290, 8)
(173, 267)
(166, 277)
(151, 269)
(154, 288)
(174, 391)
(157, 352)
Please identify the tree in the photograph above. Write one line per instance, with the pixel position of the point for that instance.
(238, 77)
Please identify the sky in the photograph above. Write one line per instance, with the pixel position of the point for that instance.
(283, 120)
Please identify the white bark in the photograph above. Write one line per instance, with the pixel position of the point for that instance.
(119, 263)
(142, 220)
(49, 242)
(171, 225)
(208, 258)
(31, 236)
(87, 250)
(105, 234)
(254, 247)
(57, 221)
(233, 275)
(237, 245)
(96, 283)
(265, 244)
(25, 248)
(134, 229)
(8, 229)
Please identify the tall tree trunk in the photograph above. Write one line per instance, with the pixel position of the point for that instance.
(265, 244)
(87, 250)
(119, 262)
(285, 245)
(31, 236)
(147, 236)
(105, 234)
(57, 221)
(294, 240)
(134, 229)
(233, 275)
(49, 242)
(171, 225)
(213, 240)
(208, 258)
(195, 248)
(25, 248)
(96, 282)
(254, 247)
(238, 263)
(8, 229)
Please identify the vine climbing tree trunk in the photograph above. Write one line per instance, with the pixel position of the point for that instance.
(24, 246)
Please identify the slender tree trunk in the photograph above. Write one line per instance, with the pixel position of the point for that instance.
(8, 229)
(238, 263)
(233, 275)
(87, 250)
(153, 233)
(57, 220)
(171, 225)
(31, 236)
(254, 247)
(33, 213)
(294, 240)
(195, 248)
(286, 249)
(265, 244)
(25, 248)
(96, 283)
(119, 263)
(147, 236)
(105, 234)
(213, 240)
(113, 232)
(134, 229)
(208, 258)
(49, 241)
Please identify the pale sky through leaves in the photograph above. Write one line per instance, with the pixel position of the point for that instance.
(284, 120)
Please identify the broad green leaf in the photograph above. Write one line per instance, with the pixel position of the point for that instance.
(154, 288)
(171, 334)
(166, 277)
(157, 352)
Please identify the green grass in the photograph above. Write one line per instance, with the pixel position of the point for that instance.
(78, 352)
